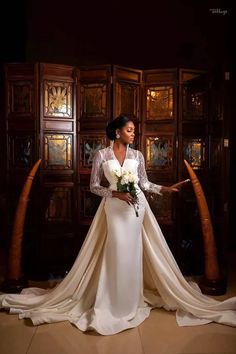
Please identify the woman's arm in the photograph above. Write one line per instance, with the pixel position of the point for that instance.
(143, 179)
(96, 177)
(152, 187)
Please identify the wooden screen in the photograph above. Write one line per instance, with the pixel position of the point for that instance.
(60, 113)
(95, 111)
(22, 143)
(127, 86)
(58, 88)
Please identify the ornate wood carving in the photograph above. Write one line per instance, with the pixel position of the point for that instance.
(57, 99)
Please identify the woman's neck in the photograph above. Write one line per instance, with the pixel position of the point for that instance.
(118, 145)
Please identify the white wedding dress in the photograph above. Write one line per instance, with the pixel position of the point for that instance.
(123, 270)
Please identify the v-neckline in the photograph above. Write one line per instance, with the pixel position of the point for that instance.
(117, 158)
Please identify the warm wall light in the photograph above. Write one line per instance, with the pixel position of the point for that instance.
(226, 142)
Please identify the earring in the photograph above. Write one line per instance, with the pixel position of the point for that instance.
(117, 136)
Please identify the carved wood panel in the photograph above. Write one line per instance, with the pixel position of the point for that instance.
(58, 151)
(88, 204)
(159, 152)
(89, 145)
(127, 92)
(94, 98)
(58, 204)
(21, 150)
(57, 99)
(21, 97)
(159, 102)
(58, 89)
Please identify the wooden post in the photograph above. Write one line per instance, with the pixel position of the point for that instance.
(15, 280)
(212, 282)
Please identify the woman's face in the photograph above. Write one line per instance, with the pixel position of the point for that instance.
(127, 133)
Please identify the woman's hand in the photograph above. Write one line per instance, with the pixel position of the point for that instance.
(170, 189)
(175, 187)
(126, 197)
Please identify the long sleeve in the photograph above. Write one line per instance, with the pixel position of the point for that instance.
(96, 177)
(143, 179)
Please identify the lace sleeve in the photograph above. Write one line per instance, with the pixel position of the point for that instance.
(96, 177)
(143, 179)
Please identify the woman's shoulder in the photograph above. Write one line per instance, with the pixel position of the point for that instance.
(103, 150)
(135, 152)
(102, 153)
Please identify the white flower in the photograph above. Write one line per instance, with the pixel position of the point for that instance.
(134, 179)
(124, 179)
(129, 177)
(116, 173)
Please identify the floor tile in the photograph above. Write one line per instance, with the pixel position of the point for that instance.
(64, 338)
(15, 334)
(161, 334)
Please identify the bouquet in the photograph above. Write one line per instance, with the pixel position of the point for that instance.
(125, 182)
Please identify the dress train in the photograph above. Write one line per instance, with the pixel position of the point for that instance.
(161, 284)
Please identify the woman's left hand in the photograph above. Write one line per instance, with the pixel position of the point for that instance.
(175, 187)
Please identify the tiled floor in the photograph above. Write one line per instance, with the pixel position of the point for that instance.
(159, 334)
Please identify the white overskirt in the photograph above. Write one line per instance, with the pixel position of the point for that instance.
(123, 270)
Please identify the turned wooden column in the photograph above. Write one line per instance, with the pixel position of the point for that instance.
(212, 282)
(15, 280)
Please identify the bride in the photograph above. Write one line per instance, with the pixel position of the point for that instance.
(125, 267)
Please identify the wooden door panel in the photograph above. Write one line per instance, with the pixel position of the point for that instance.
(127, 92)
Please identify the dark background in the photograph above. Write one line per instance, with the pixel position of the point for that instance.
(145, 35)
(149, 34)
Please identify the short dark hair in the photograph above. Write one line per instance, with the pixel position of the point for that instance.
(116, 123)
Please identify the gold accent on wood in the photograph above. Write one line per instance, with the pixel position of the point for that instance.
(160, 102)
(58, 99)
(58, 151)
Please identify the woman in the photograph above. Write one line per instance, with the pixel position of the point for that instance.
(125, 267)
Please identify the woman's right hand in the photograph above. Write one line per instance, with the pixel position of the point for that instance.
(126, 197)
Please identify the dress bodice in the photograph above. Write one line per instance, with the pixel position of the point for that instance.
(105, 162)
(111, 166)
